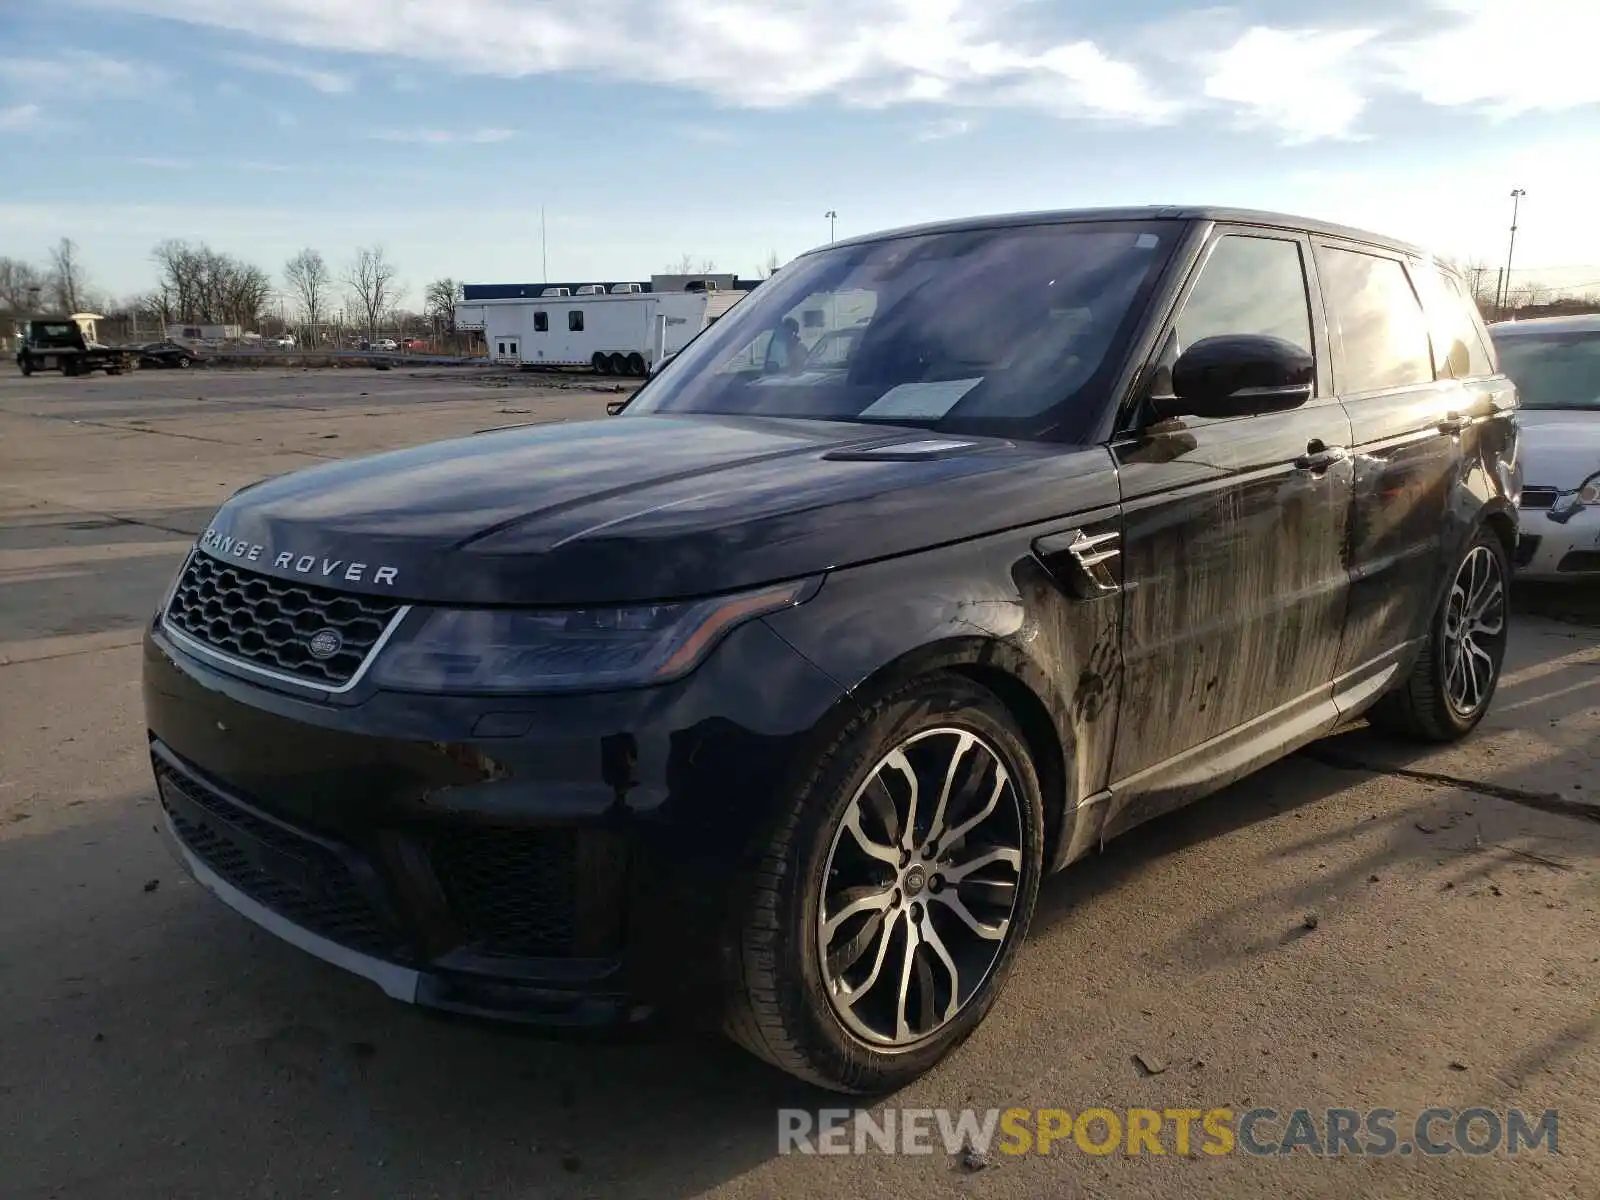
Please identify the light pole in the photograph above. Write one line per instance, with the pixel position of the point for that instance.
(832, 217)
(1516, 198)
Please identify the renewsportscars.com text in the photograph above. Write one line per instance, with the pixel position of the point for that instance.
(1261, 1132)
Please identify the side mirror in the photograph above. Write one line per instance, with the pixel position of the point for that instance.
(1239, 375)
(613, 407)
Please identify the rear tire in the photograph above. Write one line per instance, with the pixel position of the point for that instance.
(27, 368)
(618, 363)
(636, 365)
(1454, 679)
(928, 901)
(600, 363)
(183, 364)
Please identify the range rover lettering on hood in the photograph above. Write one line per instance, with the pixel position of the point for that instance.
(223, 546)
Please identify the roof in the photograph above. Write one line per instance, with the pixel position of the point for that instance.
(1239, 216)
(1583, 323)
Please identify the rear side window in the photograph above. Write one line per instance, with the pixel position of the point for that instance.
(1383, 335)
(1249, 285)
(1460, 349)
(575, 320)
(541, 321)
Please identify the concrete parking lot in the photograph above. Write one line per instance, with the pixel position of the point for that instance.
(1362, 925)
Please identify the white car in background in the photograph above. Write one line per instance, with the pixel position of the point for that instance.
(1555, 363)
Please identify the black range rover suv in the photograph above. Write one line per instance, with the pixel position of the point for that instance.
(772, 698)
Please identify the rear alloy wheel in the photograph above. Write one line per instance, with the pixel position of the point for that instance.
(600, 363)
(1456, 674)
(183, 363)
(895, 892)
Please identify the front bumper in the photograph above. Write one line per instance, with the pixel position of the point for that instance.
(1551, 549)
(565, 861)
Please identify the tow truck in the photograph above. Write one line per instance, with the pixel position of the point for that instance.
(68, 344)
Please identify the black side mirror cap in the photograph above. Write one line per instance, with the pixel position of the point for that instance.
(613, 407)
(1239, 375)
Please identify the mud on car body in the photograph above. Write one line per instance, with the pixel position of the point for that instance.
(772, 698)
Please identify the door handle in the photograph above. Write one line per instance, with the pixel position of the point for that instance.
(1455, 423)
(1318, 457)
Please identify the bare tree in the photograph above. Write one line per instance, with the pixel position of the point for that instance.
(439, 303)
(21, 285)
(769, 268)
(310, 283)
(198, 285)
(67, 280)
(373, 290)
(686, 266)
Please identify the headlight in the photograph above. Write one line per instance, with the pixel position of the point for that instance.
(545, 650)
(1568, 503)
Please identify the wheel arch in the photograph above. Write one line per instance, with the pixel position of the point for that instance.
(1502, 519)
(1020, 688)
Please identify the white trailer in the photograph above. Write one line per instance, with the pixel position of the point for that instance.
(615, 333)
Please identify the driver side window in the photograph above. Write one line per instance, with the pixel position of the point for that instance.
(1248, 285)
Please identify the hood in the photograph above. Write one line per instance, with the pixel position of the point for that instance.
(1560, 447)
(650, 507)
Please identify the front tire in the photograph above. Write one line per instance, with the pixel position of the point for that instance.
(898, 884)
(1454, 679)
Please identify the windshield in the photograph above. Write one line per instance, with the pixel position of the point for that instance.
(1553, 370)
(1009, 331)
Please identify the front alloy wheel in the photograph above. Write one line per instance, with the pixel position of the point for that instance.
(898, 882)
(920, 886)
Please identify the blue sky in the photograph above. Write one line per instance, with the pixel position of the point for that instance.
(726, 128)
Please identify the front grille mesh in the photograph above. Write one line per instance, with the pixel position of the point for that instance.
(328, 902)
(270, 622)
(513, 892)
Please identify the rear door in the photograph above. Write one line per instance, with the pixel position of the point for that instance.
(1234, 529)
(1407, 421)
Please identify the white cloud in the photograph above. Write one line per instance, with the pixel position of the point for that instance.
(1502, 57)
(748, 53)
(1306, 82)
(445, 137)
(1317, 78)
(77, 75)
(332, 82)
(20, 118)
(716, 135)
(950, 127)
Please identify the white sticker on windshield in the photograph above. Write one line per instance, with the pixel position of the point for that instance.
(925, 401)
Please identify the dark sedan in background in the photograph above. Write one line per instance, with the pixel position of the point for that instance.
(166, 354)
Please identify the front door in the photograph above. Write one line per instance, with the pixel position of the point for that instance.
(1234, 568)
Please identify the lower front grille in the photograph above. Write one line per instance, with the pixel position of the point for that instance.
(1539, 497)
(297, 878)
(532, 893)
